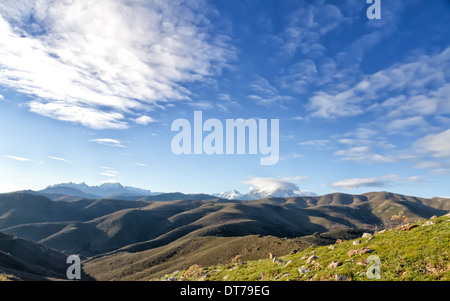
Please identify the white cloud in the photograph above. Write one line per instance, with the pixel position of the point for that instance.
(144, 120)
(108, 142)
(59, 159)
(141, 164)
(94, 62)
(270, 184)
(400, 91)
(438, 145)
(380, 182)
(18, 158)
(265, 94)
(316, 143)
(363, 154)
(402, 125)
(110, 181)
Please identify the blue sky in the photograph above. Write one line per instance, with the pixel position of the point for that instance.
(89, 90)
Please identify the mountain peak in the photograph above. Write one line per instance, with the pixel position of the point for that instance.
(104, 190)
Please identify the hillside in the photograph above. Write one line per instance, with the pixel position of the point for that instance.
(93, 227)
(25, 260)
(415, 252)
(205, 251)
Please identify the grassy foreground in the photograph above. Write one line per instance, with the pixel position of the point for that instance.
(418, 252)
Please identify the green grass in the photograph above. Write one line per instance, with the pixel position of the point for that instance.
(421, 254)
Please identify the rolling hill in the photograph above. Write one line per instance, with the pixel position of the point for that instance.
(110, 229)
(418, 252)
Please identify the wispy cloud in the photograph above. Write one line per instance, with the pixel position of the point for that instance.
(108, 142)
(399, 91)
(144, 120)
(438, 145)
(59, 159)
(272, 184)
(22, 159)
(141, 164)
(94, 63)
(265, 94)
(379, 182)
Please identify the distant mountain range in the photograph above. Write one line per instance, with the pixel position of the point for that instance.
(103, 191)
(72, 191)
(257, 194)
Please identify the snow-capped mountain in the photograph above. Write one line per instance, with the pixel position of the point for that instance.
(257, 194)
(102, 191)
(229, 195)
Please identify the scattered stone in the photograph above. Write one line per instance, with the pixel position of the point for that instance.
(237, 258)
(407, 227)
(340, 277)
(428, 223)
(363, 250)
(334, 264)
(433, 217)
(381, 231)
(287, 263)
(370, 238)
(366, 235)
(356, 242)
(331, 247)
(338, 241)
(276, 260)
(271, 256)
(311, 259)
(352, 252)
(303, 270)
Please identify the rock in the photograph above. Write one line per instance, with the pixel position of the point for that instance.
(370, 238)
(340, 277)
(271, 256)
(428, 223)
(433, 217)
(303, 270)
(338, 241)
(276, 260)
(352, 252)
(311, 259)
(366, 235)
(356, 242)
(363, 250)
(331, 247)
(334, 264)
(381, 232)
(287, 263)
(407, 227)
(237, 258)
